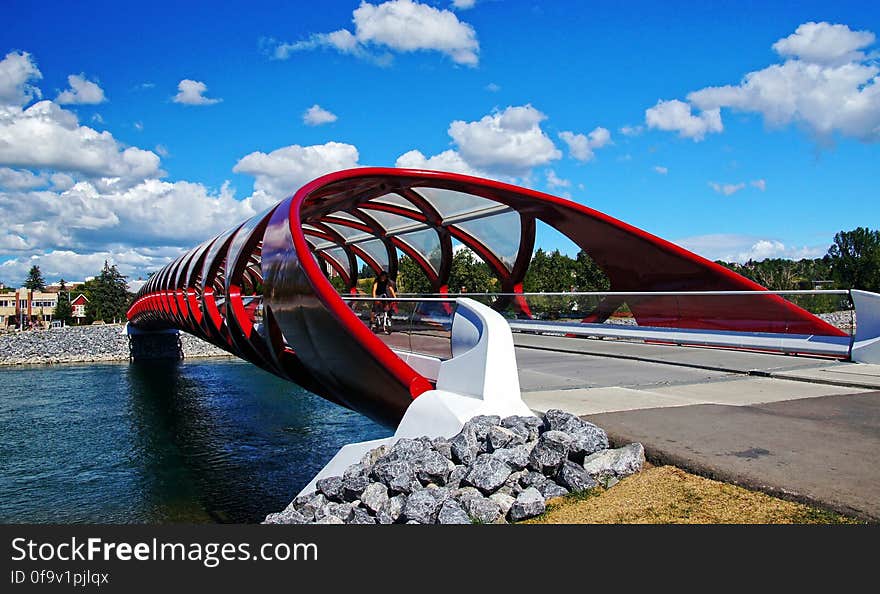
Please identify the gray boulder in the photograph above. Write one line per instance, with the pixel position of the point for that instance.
(453, 481)
(550, 451)
(482, 424)
(487, 473)
(532, 479)
(392, 510)
(311, 505)
(330, 520)
(340, 510)
(353, 486)
(503, 500)
(361, 516)
(483, 509)
(517, 457)
(616, 463)
(528, 427)
(373, 456)
(397, 475)
(421, 507)
(464, 446)
(528, 504)
(374, 497)
(464, 493)
(501, 437)
(550, 489)
(431, 467)
(451, 512)
(288, 516)
(574, 478)
(443, 447)
(587, 440)
(330, 487)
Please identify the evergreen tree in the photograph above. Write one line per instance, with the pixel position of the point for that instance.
(108, 296)
(35, 280)
(470, 272)
(63, 311)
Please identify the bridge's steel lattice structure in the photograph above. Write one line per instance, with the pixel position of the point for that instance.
(261, 289)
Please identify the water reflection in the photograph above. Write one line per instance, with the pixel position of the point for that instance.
(197, 441)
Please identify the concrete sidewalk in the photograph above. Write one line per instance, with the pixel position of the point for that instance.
(819, 450)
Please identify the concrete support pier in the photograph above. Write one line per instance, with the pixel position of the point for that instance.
(151, 345)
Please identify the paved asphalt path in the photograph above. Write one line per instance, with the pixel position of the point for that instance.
(803, 428)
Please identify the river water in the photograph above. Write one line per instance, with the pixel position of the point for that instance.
(197, 441)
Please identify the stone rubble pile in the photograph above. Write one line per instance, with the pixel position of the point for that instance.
(494, 471)
(79, 344)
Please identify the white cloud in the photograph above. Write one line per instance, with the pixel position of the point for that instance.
(449, 160)
(509, 142)
(82, 91)
(554, 181)
(66, 146)
(727, 189)
(742, 248)
(400, 26)
(282, 171)
(139, 126)
(70, 265)
(493, 88)
(463, 4)
(826, 84)
(730, 189)
(192, 92)
(582, 147)
(17, 71)
(317, 115)
(676, 116)
(825, 44)
(631, 130)
(661, 170)
(162, 150)
(15, 179)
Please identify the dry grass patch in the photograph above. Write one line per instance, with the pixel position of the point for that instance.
(669, 495)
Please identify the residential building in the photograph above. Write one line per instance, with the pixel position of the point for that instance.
(27, 307)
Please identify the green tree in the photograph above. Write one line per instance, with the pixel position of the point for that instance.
(855, 259)
(63, 311)
(551, 272)
(35, 280)
(470, 272)
(588, 276)
(411, 278)
(108, 296)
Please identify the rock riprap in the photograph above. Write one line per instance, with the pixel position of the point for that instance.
(493, 471)
(84, 344)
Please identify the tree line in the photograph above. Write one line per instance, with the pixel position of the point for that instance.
(107, 294)
(852, 262)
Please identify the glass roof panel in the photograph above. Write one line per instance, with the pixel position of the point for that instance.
(450, 203)
(391, 222)
(376, 250)
(500, 233)
(339, 256)
(427, 243)
(341, 214)
(348, 233)
(396, 200)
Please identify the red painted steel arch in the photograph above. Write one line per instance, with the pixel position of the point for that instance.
(309, 335)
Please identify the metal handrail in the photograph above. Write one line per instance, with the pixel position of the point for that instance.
(648, 293)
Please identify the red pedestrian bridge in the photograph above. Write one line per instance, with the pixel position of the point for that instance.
(262, 290)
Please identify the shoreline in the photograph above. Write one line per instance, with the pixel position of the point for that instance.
(105, 343)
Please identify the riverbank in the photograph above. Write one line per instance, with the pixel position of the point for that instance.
(84, 344)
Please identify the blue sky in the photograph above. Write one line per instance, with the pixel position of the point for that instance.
(109, 165)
